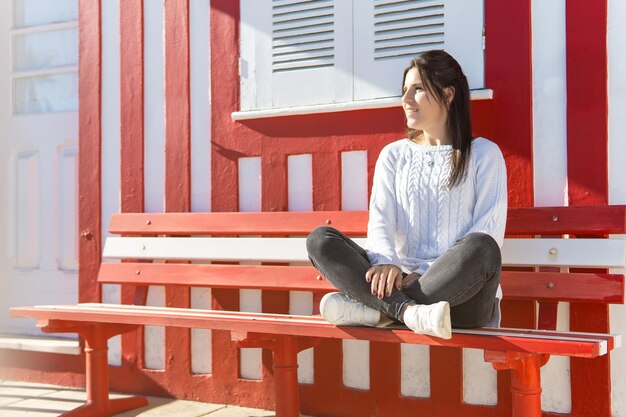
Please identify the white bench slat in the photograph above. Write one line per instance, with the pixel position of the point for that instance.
(585, 253)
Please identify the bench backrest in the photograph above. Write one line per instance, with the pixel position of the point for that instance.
(255, 238)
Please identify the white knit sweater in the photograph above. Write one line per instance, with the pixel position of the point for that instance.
(414, 218)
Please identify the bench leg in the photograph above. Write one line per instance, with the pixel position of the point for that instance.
(525, 379)
(285, 352)
(98, 403)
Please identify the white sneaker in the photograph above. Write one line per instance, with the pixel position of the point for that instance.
(341, 310)
(431, 319)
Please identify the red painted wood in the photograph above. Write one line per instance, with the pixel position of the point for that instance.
(556, 286)
(508, 72)
(177, 168)
(235, 223)
(547, 286)
(521, 221)
(598, 219)
(525, 379)
(587, 111)
(177, 107)
(587, 126)
(132, 146)
(446, 379)
(98, 403)
(310, 327)
(131, 107)
(89, 146)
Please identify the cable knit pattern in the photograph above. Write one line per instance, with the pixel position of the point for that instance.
(414, 218)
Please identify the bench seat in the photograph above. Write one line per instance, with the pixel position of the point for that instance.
(577, 344)
(203, 250)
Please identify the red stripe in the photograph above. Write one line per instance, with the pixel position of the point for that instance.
(131, 107)
(177, 107)
(587, 161)
(587, 102)
(132, 144)
(89, 165)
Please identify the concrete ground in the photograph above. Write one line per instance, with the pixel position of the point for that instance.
(21, 399)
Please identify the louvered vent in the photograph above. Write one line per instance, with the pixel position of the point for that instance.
(407, 27)
(303, 34)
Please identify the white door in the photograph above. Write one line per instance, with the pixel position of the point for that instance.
(38, 156)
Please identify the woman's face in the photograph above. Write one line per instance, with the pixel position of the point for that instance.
(422, 110)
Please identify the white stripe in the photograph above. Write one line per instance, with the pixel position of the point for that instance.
(517, 252)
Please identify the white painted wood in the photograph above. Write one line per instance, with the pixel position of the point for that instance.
(66, 227)
(154, 108)
(549, 103)
(30, 13)
(379, 103)
(270, 74)
(415, 370)
(354, 180)
(567, 252)
(250, 358)
(110, 145)
(480, 380)
(200, 75)
(250, 184)
(617, 176)
(36, 136)
(300, 182)
(515, 252)
(112, 294)
(356, 364)
(201, 348)
(24, 216)
(154, 336)
(301, 303)
(386, 42)
(555, 382)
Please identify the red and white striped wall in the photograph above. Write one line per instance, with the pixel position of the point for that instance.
(159, 81)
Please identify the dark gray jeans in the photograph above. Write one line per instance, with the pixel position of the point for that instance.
(467, 276)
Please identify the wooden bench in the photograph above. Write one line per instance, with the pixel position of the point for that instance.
(182, 237)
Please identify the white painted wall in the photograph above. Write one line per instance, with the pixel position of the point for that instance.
(550, 159)
(110, 113)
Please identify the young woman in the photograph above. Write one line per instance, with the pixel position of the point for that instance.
(436, 220)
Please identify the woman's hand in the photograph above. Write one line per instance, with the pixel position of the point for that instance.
(383, 279)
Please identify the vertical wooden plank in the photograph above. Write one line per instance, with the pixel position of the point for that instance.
(177, 107)
(587, 162)
(89, 165)
(224, 22)
(131, 106)
(587, 108)
(508, 71)
(132, 142)
(177, 166)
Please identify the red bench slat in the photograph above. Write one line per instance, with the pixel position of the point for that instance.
(521, 221)
(301, 326)
(545, 286)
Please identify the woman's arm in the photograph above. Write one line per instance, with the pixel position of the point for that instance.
(381, 228)
(491, 192)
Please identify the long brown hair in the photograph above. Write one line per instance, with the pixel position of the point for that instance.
(438, 70)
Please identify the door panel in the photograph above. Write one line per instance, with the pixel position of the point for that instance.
(38, 156)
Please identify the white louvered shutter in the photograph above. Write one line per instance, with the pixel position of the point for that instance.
(388, 33)
(295, 53)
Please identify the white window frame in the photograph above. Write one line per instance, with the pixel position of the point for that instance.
(346, 85)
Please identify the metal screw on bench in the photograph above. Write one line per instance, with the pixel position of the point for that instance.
(550, 285)
(555, 218)
(148, 222)
(552, 251)
(319, 277)
(138, 272)
(87, 234)
(328, 221)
